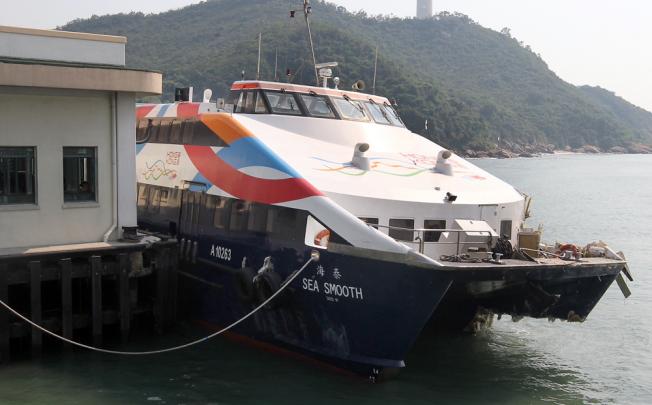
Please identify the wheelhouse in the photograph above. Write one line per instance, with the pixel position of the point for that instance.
(306, 101)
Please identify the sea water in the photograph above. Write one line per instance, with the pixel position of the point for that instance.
(607, 359)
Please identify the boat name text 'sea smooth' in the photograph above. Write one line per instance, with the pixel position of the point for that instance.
(333, 290)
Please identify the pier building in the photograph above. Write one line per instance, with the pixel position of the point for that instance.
(67, 134)
(71, 260)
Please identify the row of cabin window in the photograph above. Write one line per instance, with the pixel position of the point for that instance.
(220, 213)
(175, 131)
(313, 105)
(18, 175)
(259, 102)
(246, 216)
(429, 236)
(410, 236)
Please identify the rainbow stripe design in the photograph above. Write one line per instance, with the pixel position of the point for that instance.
(247, 168)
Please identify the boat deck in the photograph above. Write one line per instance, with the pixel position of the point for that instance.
(548, 262)
(541, 269)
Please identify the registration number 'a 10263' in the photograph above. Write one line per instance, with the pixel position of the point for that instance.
(221, 252)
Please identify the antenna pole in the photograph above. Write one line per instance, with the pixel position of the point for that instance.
(260, 43)
(306, 13)
(276, 66)
(373, 87)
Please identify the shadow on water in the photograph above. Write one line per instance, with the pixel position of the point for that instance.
(490, 367)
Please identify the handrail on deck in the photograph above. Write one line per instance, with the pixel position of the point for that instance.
(421, 233)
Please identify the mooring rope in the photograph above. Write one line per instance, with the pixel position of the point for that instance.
(314, 257)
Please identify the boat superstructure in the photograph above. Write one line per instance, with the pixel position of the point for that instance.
(410, 234)
(401, 182)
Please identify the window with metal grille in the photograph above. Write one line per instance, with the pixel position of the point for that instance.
(79, 174)
(17, 175)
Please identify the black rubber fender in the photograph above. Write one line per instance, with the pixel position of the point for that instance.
(245, 284)
(265, 285)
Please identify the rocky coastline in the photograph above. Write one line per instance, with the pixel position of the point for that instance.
(509, 151)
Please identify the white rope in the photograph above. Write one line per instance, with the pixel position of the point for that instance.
(313, 257)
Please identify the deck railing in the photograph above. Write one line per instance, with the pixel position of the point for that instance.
(418, 235)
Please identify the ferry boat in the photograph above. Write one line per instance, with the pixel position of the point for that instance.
(409, 234)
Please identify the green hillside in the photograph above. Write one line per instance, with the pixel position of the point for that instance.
(475, 86)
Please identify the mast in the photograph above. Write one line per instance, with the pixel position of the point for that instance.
(373, 86)
(260, 43)
(306, 12)
(276, 66)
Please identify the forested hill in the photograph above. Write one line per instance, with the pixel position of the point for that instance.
(476, 87)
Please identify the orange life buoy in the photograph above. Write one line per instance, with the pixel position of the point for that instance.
(321, 239)
(569, 247)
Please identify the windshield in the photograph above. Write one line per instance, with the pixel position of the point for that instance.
(392, 115)
(283, 103)
(377, 113)
(317, 106)
(350, 110)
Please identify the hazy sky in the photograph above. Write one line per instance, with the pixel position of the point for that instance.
(596, 42)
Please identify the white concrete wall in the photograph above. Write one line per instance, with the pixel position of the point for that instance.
(49, 120)
(23, 46)
(126, 132)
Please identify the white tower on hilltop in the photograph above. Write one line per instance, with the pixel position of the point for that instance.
(424, 9)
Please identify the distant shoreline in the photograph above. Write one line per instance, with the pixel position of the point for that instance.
(556, 153)
(531, 151)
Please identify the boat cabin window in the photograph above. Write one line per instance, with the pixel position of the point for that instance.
(142, 196)
(259, 106)
(350, 109)
(370, 221)
(506, 229)
(197, 133)
(283, 103)
(176, 131)
(165, 195)
(170, 202)
(431, 236)
(162, 132)
(239, 215)
(313, 105)
(239, 102)
(257, 218)
(231, 101)
(154, 200)
(317, 106)
(248, 102)
(401, 229)
(378, 114)
(393, 116)
(221, 209)
(289, 224)
(142, 130)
